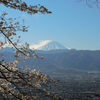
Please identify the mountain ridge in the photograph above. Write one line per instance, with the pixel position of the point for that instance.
(59, 59)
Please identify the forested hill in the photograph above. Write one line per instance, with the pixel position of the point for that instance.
(59, 59)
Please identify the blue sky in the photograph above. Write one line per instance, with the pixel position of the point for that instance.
(72, 23)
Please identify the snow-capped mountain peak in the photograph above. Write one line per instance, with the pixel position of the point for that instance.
(47, 45)
(40, 44)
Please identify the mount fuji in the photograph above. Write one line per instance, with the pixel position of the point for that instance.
(48, 45)
(56, 57)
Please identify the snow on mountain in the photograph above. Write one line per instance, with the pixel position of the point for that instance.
(7, 47)
(47, 45)
(43, 45)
